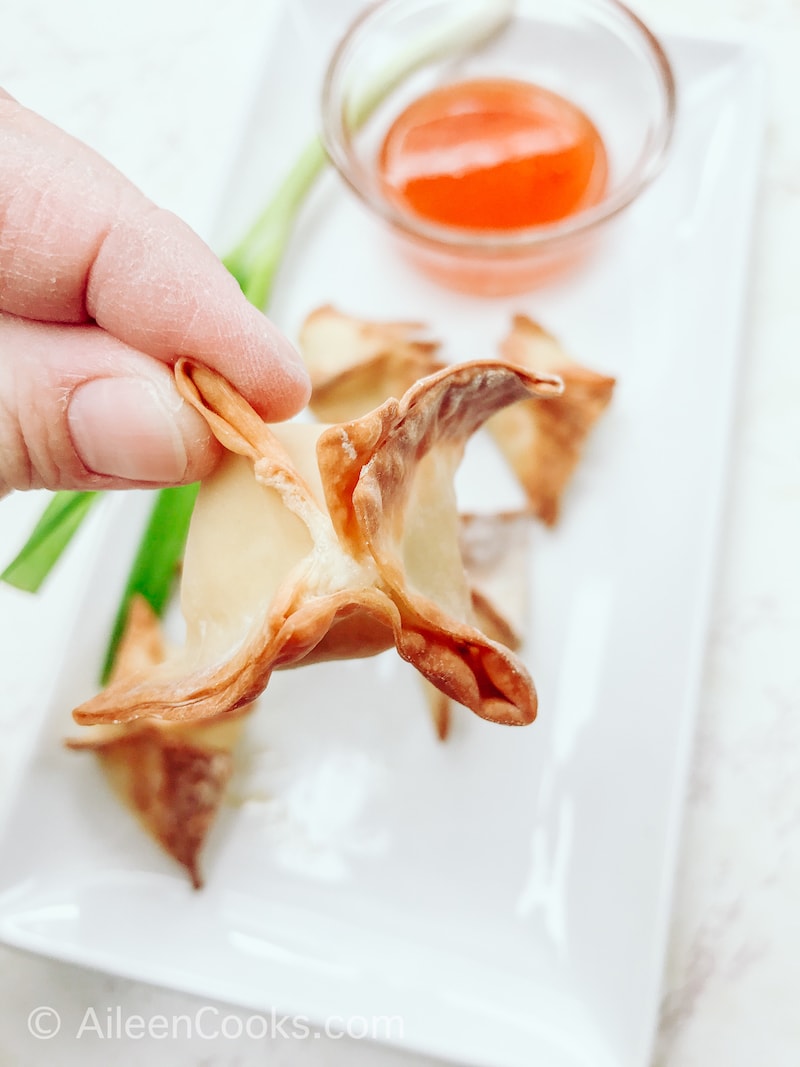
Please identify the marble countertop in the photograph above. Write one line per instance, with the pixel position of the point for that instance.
(730, 988)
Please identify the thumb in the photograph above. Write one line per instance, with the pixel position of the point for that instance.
(80, 409)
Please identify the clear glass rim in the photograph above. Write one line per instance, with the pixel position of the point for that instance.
(335, 141)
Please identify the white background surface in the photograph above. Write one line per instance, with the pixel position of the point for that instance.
(158, 89)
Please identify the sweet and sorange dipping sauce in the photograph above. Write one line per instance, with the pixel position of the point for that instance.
(493, 154)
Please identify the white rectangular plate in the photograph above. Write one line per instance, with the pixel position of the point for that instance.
(506, 895)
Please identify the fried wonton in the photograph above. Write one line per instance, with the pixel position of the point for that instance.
(314, 542)
(356, 364)
(543, 442)
(171, 775)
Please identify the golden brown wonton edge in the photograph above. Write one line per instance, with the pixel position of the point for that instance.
(543, 443)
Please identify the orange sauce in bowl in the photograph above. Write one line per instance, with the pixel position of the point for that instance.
(493, 154)
(489, 157)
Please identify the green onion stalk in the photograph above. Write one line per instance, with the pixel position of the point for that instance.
(254, 262)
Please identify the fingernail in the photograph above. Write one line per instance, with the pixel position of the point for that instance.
(126, 428)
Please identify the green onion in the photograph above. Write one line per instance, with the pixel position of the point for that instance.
(156, 564)
(254, 262)
(51, 535)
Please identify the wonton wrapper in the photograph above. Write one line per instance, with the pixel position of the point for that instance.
(543, 442)
(294, 556)
(355, 364)
(495, 551)
(171, 775)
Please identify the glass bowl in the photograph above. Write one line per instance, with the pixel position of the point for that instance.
(594, 53)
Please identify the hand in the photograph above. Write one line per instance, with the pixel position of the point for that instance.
(100, 291)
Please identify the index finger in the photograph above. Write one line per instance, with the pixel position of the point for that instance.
(79, 242)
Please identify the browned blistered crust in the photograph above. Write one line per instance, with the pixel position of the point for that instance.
(543, 442)
(353, 594)
(172, 776)
(356, 364)
(494, 625)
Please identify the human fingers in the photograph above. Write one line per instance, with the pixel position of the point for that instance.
(80, 409)
(78, 242)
